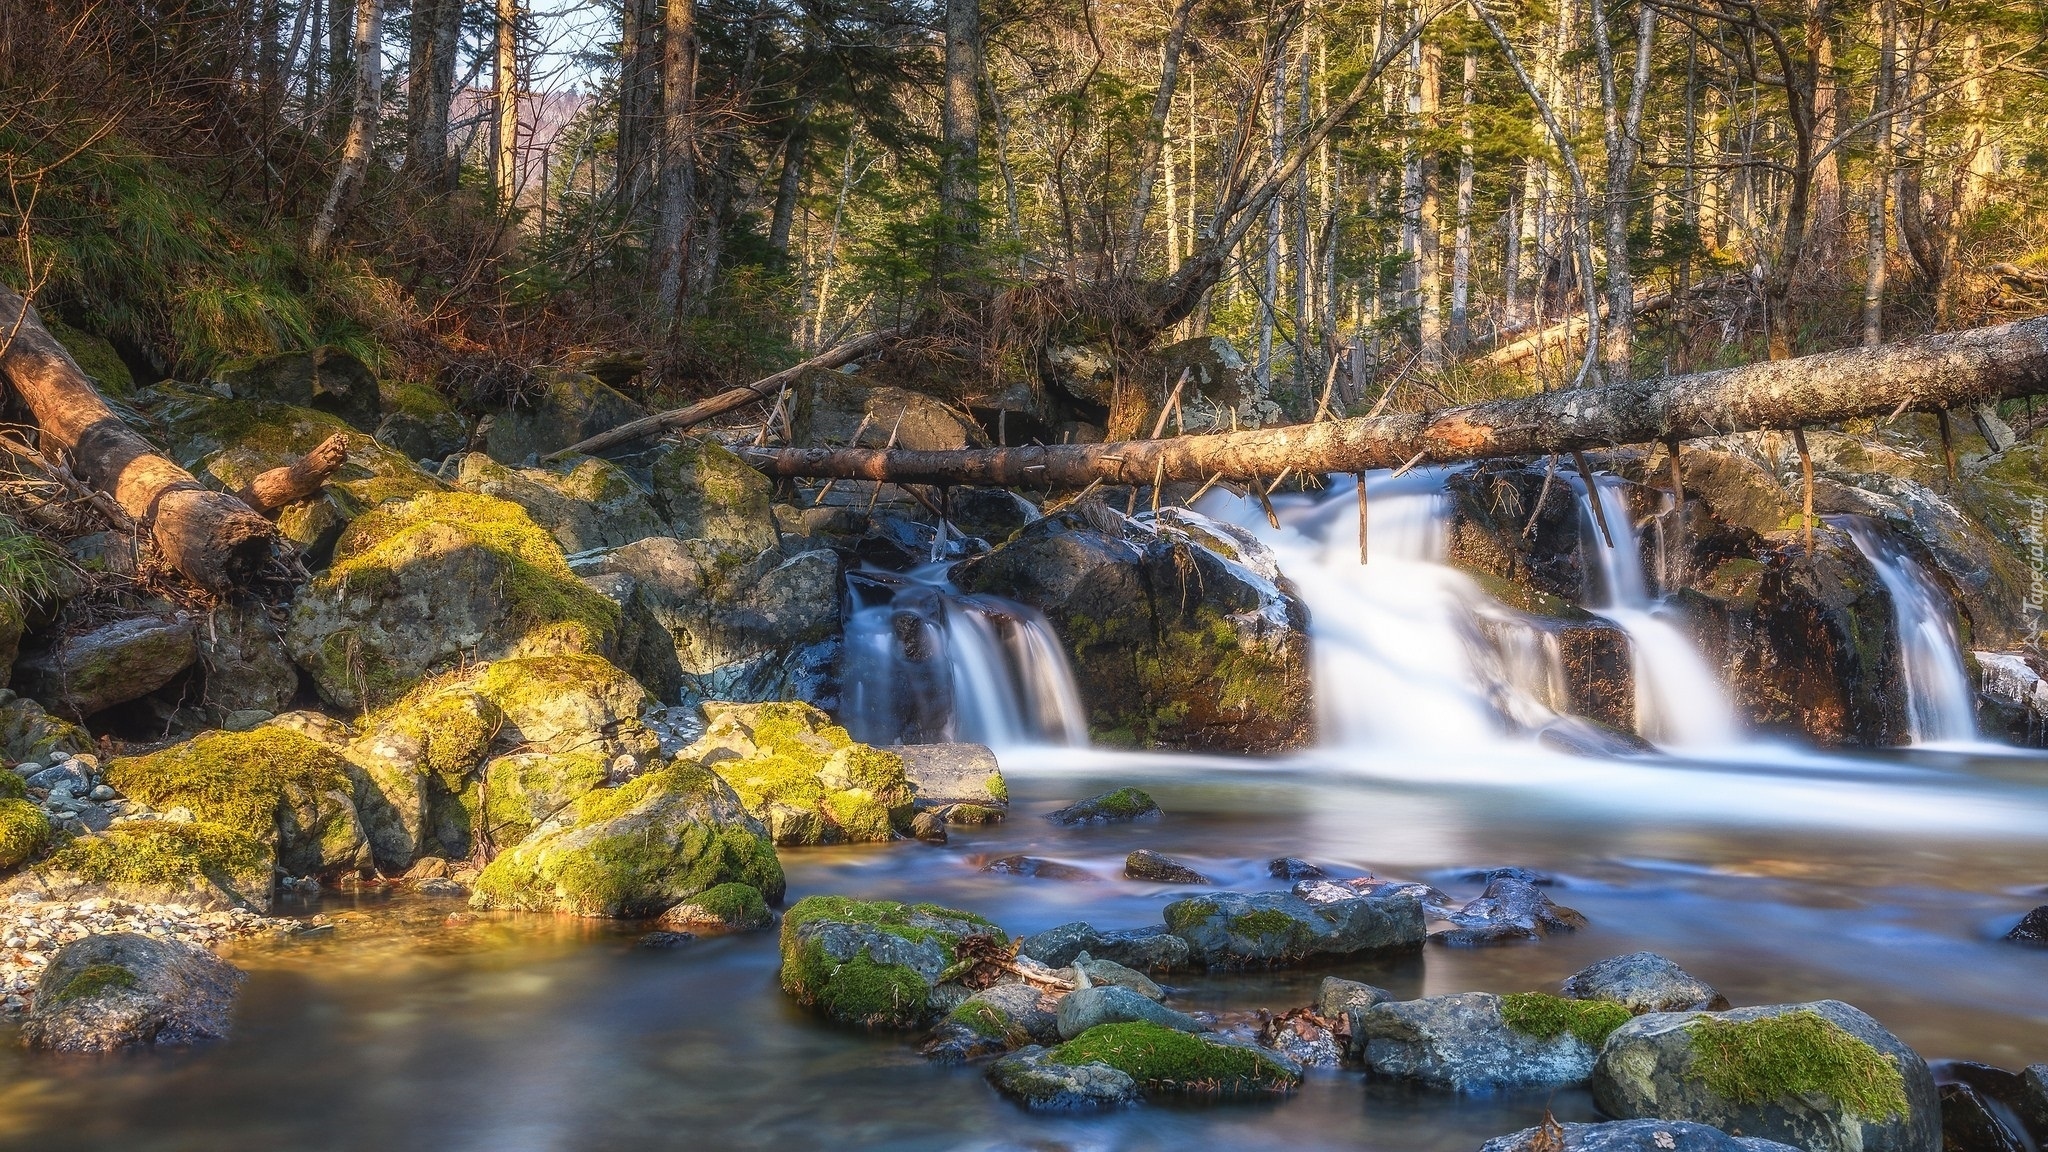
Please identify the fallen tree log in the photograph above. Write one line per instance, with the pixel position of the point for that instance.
(677, 419)
(212, 538)
(299, 480)
(1935, 373)
(1573, 328)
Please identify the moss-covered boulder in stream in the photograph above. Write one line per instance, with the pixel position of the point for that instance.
(158, 862)
(876, 963)
(1181, 630)
(443, 578)
(1165, 1061)
(271, 784)
(415, 766)
(635, 850)
(1820, 1076)
(802, 775)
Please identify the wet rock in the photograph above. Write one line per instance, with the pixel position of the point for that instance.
(111, 664)
(1508, 910)
(1109, 808)
(929, 827)
(875, 964)
(420, 585)
(1234, 930)
(721, 908)
(1145, 864)
(1821, 1076)
(1043, 869)
(2032, 928)
(1144, 949)
(123, 990)
(1337, 998)
(2013, 696)
(1111, 972)
(661, 941)
(1032, 1078)
(1630, 1136)
(835, 409)
(1505, 872)
(993, 1021)
(326, 379)
(1289, 868)
(2018, 1099)
(1167, 1062)
(1644, 982)
(1307, 1039)
(568, 407)
(635, 850)
(1182, 631)
(946, 774)
(802, 774)
(1969, 1124)
(1472, 1042)
(591, 504)
(1085, 1008)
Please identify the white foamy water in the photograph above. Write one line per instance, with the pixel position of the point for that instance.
(1940, 706)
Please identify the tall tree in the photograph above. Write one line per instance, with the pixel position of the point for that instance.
(960, 141)
(677, 185)
(505, 104)
(362, 128)
(436, 35)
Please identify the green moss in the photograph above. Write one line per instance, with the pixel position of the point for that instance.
(158, 854)
(732, 903)
(1799, 1053)
(861, 818)
(1163, 1060)
(887, 915)
(985, 1019)
(998, 788)
(776, 777)
(413, 399)
(1263, 922)
(1183, 915)
(972, 814)
(12, 787)
(23, 829)
(96, 356)
(793, 728)
(1547, 1017)
(450, 722)
(235, 779)
(863, 991)
(92, 980)
(1125, 804)
(522, 791)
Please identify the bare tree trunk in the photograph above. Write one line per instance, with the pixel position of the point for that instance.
(1155, 136)
(639, 104)
(1620, 130)
(678, 181)
(1952, 371)
(505, 106)
(429, 90)
(790, 186)
(1461, 253)
(1881, 12)
(211, 538)
(1829, 221)
(960, 132)
(362, 126)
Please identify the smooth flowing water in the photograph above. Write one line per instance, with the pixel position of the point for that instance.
(1940, 707)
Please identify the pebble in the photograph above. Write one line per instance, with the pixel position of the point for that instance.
(103, 792)
(32, 930)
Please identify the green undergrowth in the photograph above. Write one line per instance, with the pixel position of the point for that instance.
(1547, 1017)
(1163, 1060)
(1795, 1054)
(30, 568)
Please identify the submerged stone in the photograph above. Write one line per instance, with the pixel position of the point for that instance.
(1145, 864)
(1111, 807)
(1630, 1136)
(1272, 929)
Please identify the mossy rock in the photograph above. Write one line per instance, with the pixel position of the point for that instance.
(635, 850)
(592, 504)
(873, 963)
(122, 989)
(24, 829)
(1165, 1061)
(326, 379)
(96, 355)
(419, 422)
(28, 734)
(721, 908)
(158, 862)
(414, 761)
(566, 408)
(570, 701)
(1115, 806)
(787, 760)
(445, 577)
(714, 496)
(271, 783)
(523, 790)
(1547, 1017)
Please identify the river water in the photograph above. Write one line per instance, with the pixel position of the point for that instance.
(1776, 873)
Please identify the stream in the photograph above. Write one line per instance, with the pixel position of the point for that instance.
(1772, 871)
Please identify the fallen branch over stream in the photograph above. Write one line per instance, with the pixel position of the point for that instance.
(1934, 373)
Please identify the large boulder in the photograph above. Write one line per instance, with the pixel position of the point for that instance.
(1181, 631)
(419, 422)
(802, 775)
(112, 664)
(247, 667)
(326, 379)
(158, 862)
(1821, 1076)
(714, 497)
(1167, 1062)
(1477, 1041)
(592, 504)
(946, 774)
(635, 850)
(415, 768)
(1270, 929)
(440, 579)
(572, 702)
(1146, 949)
(566, 408)
(123, 990)
(1629, 1136)
(875, 963)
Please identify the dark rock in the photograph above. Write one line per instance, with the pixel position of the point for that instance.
(1144, 949)
(2018, 1100)
(1111, 972)
(1108, 808)
(1084, 1008)
(111, 664)
(1235, 930)
(247, 667)
(1970, 1124)
(1506, 872)
(567, 408)
(929, 827)
(1462, 1043)
(663, 940)
(1030, 1077)
(993, 1021)
(326, 379)
(1644, 982)
(1145, 864)
(1630, 1136)
(1653, 1066)
(954, 774)
(1181, 630)
(1042, 869)
(1509, 910)
(2032, 928)
(104, 993)
(1290, 868)
(1338, 997)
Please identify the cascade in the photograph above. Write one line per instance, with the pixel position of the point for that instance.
(1679, 699)
(1940, 707)
(925, 664)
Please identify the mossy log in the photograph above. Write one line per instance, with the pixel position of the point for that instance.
(1935, 373)
(300, 480)
(212, 538)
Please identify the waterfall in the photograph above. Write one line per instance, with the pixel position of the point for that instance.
(1679, 699)
(1408, 650)
(1940, 707)
(925, 664)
